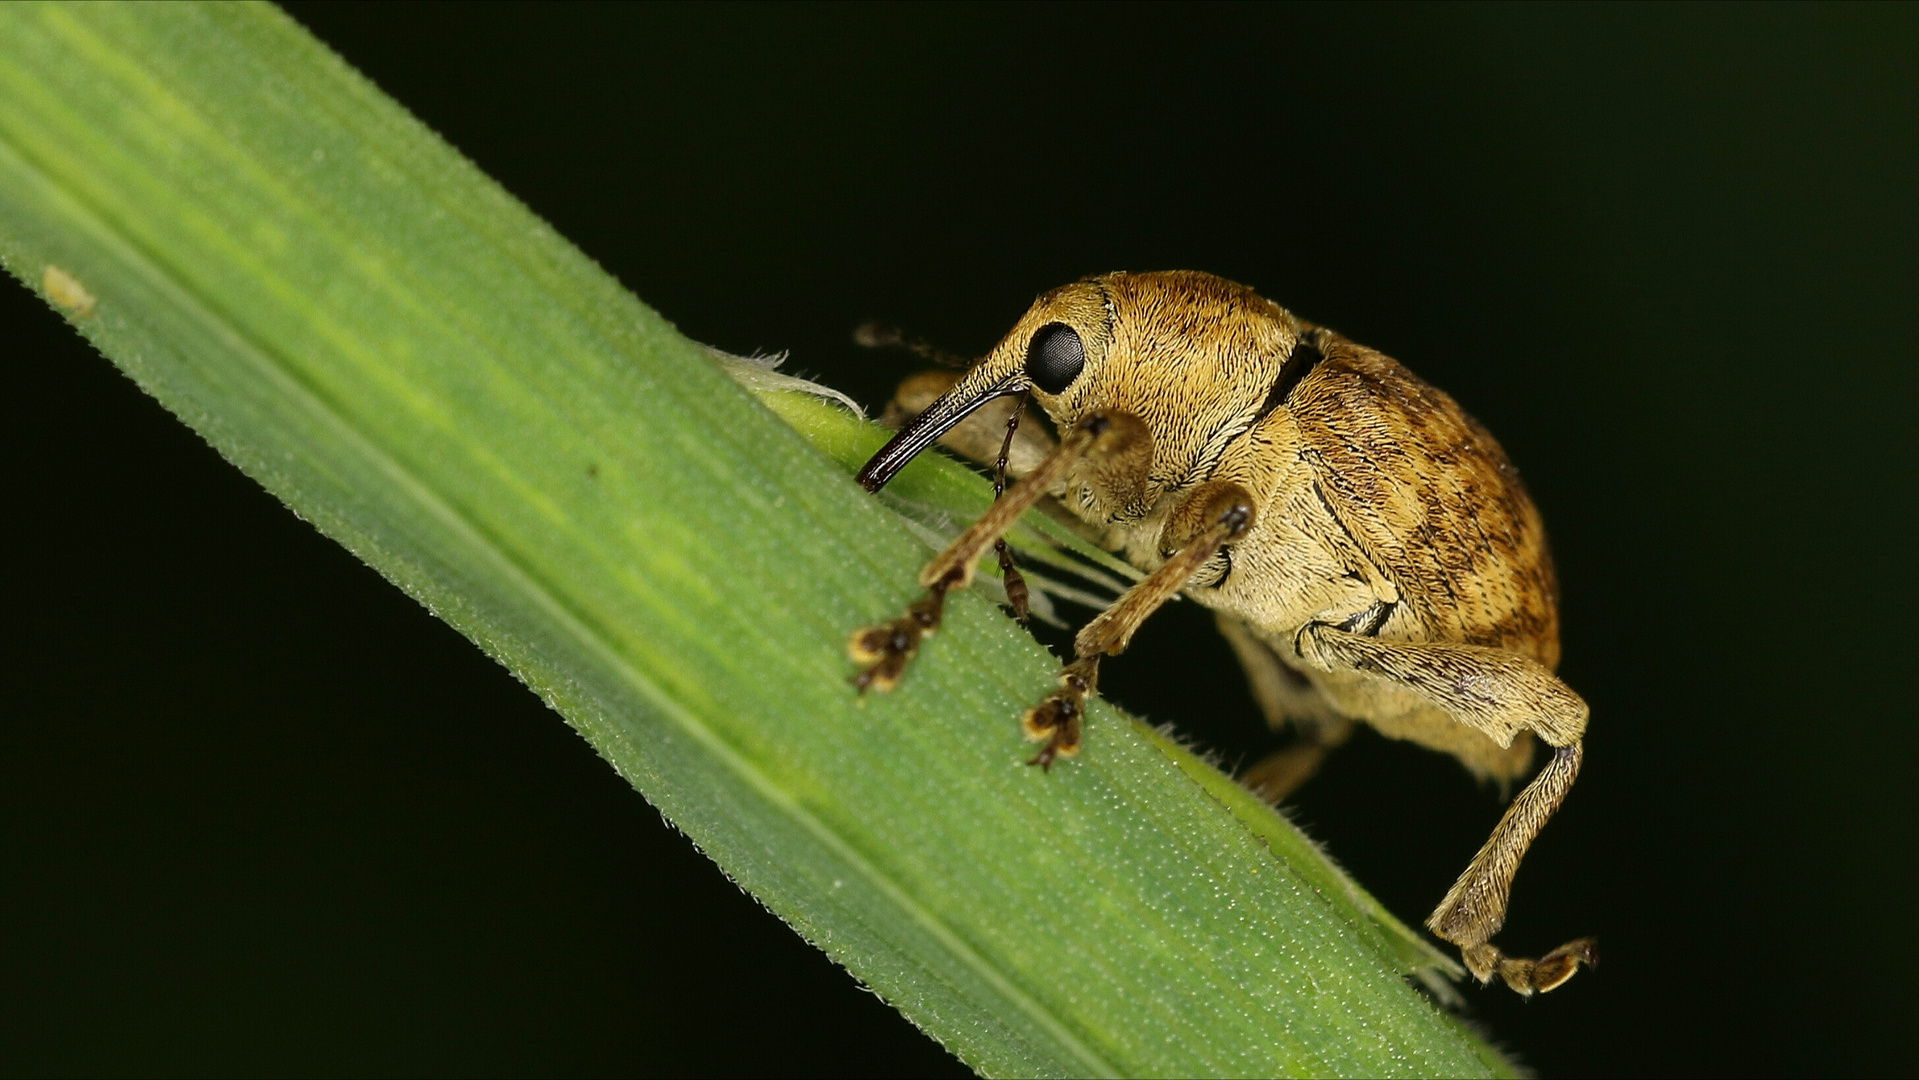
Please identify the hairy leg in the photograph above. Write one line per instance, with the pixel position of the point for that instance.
(1499, 694)
(1206, 518)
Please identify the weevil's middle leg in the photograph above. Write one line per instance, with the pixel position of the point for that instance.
(1273, 778)
(886, 649)
(1287, 699)
(1212, 515)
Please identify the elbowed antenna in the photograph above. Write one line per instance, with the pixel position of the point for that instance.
(938, 419)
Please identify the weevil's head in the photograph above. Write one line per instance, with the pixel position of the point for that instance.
(1190, 354)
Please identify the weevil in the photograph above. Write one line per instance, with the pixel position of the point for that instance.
(1365, 545)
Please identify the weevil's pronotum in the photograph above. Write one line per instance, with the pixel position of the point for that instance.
(1365, 545)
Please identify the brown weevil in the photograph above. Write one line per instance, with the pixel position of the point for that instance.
(1365, 545)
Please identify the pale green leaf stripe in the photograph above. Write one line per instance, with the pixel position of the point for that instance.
(367, 326)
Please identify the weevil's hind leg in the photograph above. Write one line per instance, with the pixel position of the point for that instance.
(1213, 514)
(1475, 907)
(1287, 699)
(886, 649)
(1500, 694)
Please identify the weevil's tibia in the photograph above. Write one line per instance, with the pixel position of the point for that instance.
(1214, 514)
(1475, 908)
(886, 649)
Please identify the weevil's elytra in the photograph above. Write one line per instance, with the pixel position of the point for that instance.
(1369, 551)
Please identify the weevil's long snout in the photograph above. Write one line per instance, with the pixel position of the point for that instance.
(971, 392)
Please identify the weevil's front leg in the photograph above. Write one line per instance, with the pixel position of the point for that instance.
(886, 649)
(994, 436)
(1499, 693)
(1213, 514)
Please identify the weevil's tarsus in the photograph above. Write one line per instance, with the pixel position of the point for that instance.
(1018, 597)
(1057, 720)
(886, 649)
(1529, 977)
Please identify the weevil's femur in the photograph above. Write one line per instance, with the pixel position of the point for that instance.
(938, 419)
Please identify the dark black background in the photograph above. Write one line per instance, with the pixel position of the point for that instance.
(261, 813)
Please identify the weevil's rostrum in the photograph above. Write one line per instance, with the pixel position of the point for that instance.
(1367, 548)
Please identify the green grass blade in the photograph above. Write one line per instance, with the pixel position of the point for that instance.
(366, 325)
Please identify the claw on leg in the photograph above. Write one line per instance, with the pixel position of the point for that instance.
(884, 650)
(1057, 719)
(1528, 977)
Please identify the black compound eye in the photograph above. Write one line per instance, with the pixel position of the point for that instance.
(1055, 357)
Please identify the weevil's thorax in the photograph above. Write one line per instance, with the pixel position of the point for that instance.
(1191, 355)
